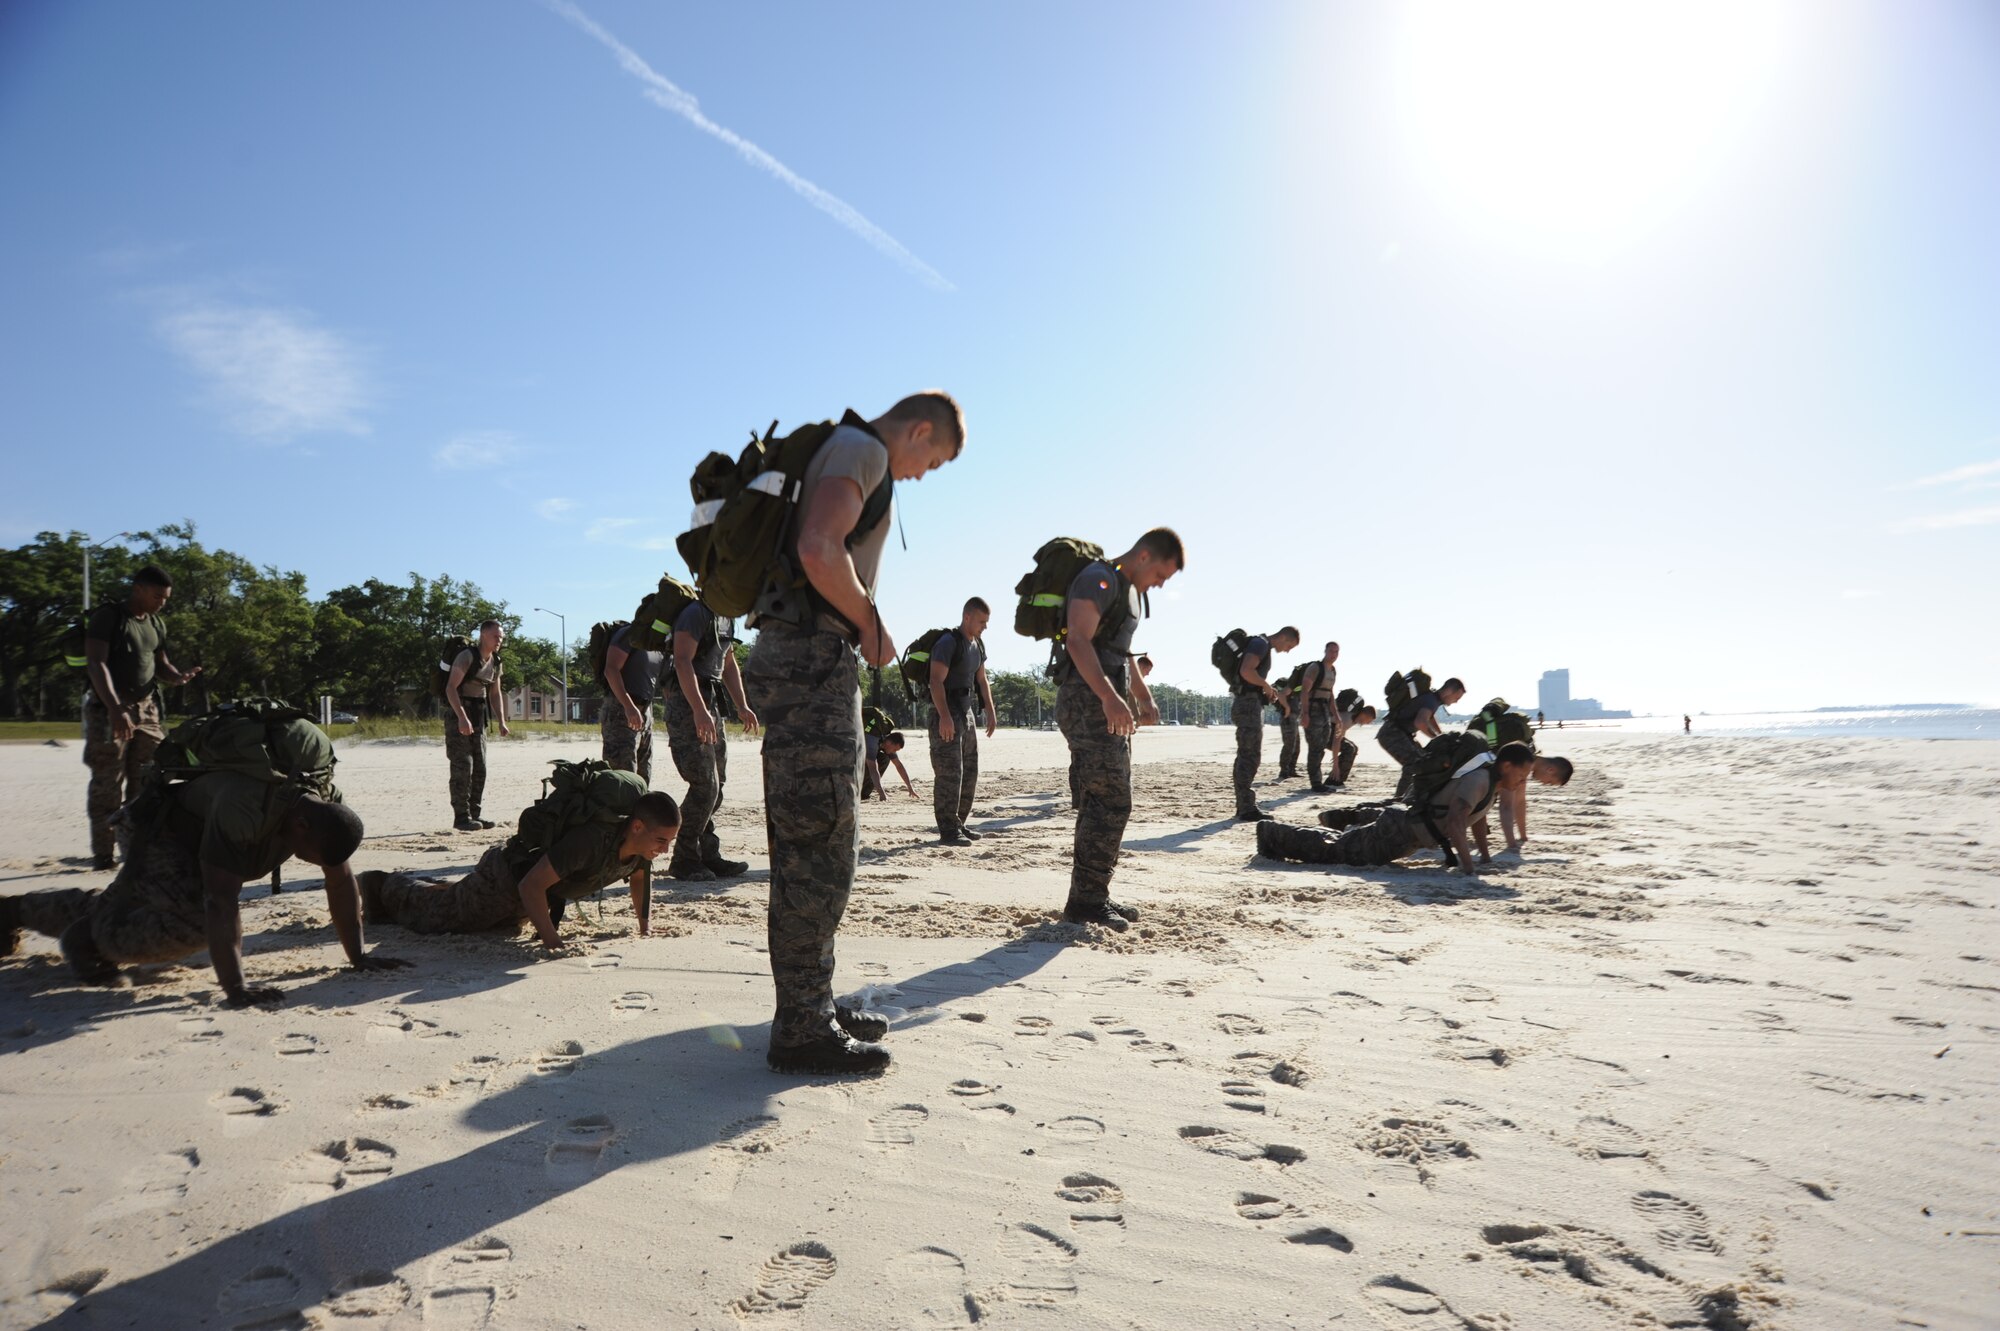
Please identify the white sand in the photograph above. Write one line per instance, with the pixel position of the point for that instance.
(1718, 1053)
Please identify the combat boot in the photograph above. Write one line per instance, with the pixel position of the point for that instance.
(829, 1053)
(1095, 912)
(79, 949)
(10, 925)
(722, 868)
(859, 1025)
(691, 873)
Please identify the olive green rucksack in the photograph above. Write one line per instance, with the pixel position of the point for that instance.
(876, 722)
(75, 639)
(575, 794)
(448, 652)
(599, 651)
(1227, 657)
(1500, 724)
(1441, 761)
(1403, 688)
(1041, 610)
(653, 621)
(1295, 681)
(916, 663)
(745, 518)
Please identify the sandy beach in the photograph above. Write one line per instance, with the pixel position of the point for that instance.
(1717, 1052)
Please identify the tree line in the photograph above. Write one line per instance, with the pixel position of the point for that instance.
(254, 630)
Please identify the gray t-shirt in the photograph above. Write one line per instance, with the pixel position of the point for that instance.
(857, 455)
(963, 657)
(642, 669)
(712, 636)
(1256, 655)
(472, 685)
(1102, 586)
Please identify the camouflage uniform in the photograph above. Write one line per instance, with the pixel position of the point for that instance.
(627, 749)
(805, 685)
(115, 764)
(1247, 713)
(1349, 751)
(1319, 736)
(467, 754)
(1288, 737)
(153, 911)
(705, 767)
(1389, 836)
(486, 898)
(1100, 780)
(954, 769)
(1402, 745)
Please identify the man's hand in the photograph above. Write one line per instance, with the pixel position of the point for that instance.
(634, 718)
(187, 675)
(704, 725)
(558, 947)
(1149, 714)
(464, 724)
(123, 727)
(877, 647)
(377, 963)
(504, 732)
(749, 719)
(253, 996)
(1118, 715)
(991, 724)
(947, 728)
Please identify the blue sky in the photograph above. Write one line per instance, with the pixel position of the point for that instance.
(1654, 343)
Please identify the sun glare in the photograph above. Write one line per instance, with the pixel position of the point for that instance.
(1575, 125)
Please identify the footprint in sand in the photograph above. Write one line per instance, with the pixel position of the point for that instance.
(395, 1025)
(740, 1143)
(1429, 1017)
(604, 961)
(1608, 1139)
(386, 1102)
(932, 1284)
(1158, 1051)
(1827, 1081)
(462, 1284)
(1096, 1205)
(1259, 1209)
(1347, 998)
(157, 1185)
(371, 1294)
(1245, 1095)
(335, 1165)
(559, 1059)
(1075, 1128)
(247, 1102)
(1604, 1271)
(874, 969)
(1107, 1021)
(1237, 1023)
(1923, 1022)
(1043, 1265)
(297, 1046)
(472, 1075)
(60, 1295)
(1033, 1027)
(1404, 1305)
(1470, 1048)
(1257, 1063)
(1221, 1141)
(1679, 1225)
(572, 1157)
(270, 1291)
(1417, 1142)
(893, 1129)
(1473, 993)
(1765, 1020)
(199, 1031)
(788, 1279)
(629, 1007)
(980, 1098)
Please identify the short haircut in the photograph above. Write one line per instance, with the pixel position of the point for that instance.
(486, 624)
(1143, 659)
(938, 407)
(977, 606)
(1515, 754)
(1453, 683)
(1164, 543)
(1330, 644)
(152, 576)
(1563, 766)
(895, 737)
(1365, 710)
(334, 828)
(656, 808)
(1296, 635)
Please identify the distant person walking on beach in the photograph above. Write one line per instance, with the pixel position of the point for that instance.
(1249, 682)
(1687, 725)
(125, 655)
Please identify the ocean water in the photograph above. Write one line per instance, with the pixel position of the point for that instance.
(1941, 723)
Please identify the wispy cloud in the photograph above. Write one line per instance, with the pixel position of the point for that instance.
(1969, 517)
(477, 448)
(671, 97)
(553, 508)
(1956, 476)
(273, 373)
(621, 531)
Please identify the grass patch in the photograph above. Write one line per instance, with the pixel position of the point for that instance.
(37, 732)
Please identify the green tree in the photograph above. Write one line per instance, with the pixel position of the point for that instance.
(41, 597)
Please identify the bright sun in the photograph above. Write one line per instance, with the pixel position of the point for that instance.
(1574, 125)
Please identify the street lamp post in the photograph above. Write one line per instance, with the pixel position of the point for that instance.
(88, 546)
(562, 625)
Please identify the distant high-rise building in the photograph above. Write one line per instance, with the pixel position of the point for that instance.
(1557, 705)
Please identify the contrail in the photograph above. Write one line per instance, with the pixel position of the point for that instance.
(662, 92)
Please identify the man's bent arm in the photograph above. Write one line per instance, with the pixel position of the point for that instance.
(986, 695)
(732, 681)
(831, 512)
(98, 671)
(614, 679)
(947, 724)
(641, 884)
(223, 923)
(1149, 711)
(535, 901)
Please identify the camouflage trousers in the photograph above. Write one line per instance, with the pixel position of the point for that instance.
(153, 910)
(1247, 714)
(954, 771)
(1349, 751)
(1100, 782)
(467, 755)
(115, 764)
(806, 688)
(1288, 745)
(1392, 834)
(1403, 746)
(1319, 736)
(705, 767)
(487, 897)
(627, 749)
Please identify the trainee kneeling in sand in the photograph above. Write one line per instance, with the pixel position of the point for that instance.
(1441, 819)
(555, 858)
(187, 862)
